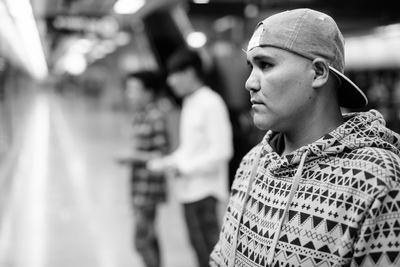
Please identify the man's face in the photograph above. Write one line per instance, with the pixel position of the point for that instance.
(280, 86)
(180, 82)
(137, 94)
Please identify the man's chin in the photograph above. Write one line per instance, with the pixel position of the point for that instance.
(260, 124)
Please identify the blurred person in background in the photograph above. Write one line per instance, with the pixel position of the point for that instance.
(148, 140)
(322, 188)
(201, 161)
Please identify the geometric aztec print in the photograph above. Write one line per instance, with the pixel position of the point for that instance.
(345, 210)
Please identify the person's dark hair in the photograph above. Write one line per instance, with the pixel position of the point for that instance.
(152, 80)
(184, 58)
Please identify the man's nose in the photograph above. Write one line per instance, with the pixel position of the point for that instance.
(252, 83)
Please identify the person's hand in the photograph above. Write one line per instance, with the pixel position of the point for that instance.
(172, 171)
(156, 165)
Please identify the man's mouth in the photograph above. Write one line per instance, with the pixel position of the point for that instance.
(255, 102)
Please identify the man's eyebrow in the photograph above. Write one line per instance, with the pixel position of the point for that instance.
(260, 58)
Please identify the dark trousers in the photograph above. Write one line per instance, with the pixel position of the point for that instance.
(146, 240)
(203, 227)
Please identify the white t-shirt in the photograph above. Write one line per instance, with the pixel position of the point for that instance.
(205, 147)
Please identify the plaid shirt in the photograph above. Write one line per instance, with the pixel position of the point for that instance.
(149, 135)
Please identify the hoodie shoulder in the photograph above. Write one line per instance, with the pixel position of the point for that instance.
(379, 163)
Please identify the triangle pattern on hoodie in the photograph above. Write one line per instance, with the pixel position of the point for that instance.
(345, 211)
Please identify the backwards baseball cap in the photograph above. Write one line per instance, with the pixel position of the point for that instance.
(311, 34)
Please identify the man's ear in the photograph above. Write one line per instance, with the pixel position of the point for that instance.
(321, 72)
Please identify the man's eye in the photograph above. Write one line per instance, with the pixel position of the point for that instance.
(264, 65)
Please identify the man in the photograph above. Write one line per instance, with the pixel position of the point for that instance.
(149, 139)
(201, 160)
(322, 188)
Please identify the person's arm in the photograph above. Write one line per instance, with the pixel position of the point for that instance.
(378, 243)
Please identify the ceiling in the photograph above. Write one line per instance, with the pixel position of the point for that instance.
(352, 14)
(354, 17)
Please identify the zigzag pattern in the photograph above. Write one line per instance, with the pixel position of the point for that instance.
(346, 209)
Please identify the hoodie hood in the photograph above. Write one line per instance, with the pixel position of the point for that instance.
(359, 130)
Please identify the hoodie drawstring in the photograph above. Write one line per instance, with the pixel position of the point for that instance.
(296, 181)
(231, 262)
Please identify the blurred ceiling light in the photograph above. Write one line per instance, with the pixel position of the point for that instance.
(74, 64)
(128, 6)
(224, 23)
(381, 52)
(96, 55)
(379, 49)
(108, 46)
(392, 30)
(19, 8)
(251, 11)
(196, 39)
(10, 45)
(122, 38)
(201, 1)
(82, 46)
(28, 32)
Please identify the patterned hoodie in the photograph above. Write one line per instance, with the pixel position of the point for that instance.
(335, 202)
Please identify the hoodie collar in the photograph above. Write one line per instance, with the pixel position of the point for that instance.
(362, 129)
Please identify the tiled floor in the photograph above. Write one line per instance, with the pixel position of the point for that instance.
(68, 202)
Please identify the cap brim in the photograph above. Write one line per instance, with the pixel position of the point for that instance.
(350, 95)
